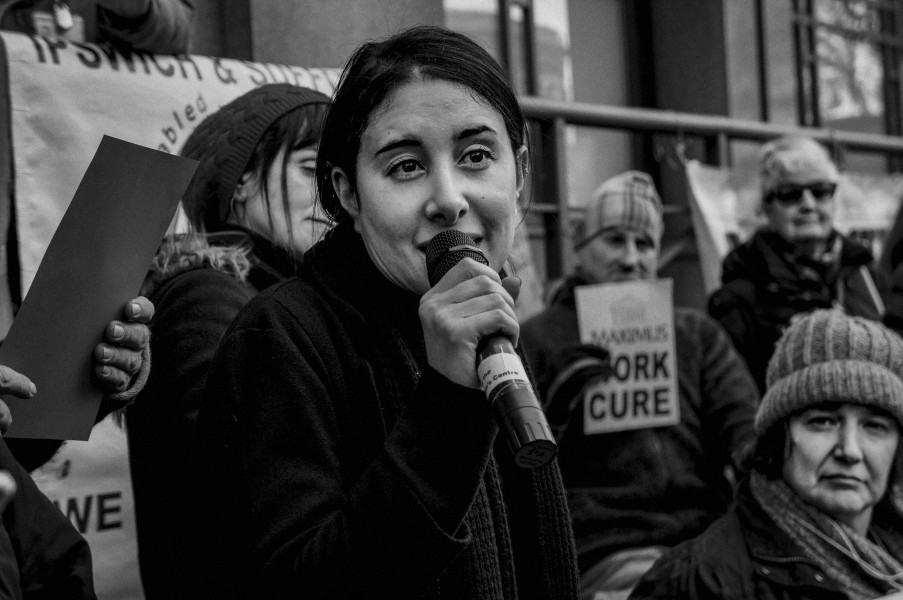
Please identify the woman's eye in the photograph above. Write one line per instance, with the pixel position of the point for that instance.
(478, 158)
(405, 169)
(308, 166)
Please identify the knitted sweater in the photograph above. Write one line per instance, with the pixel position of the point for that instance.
(656, 486)
(346, 467)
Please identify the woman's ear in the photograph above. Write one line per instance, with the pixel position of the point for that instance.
(344, 189)
(237, 206)
(521, 159)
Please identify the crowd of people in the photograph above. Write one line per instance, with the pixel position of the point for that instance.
(314, 407)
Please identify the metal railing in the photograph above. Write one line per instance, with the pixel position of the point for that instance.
(554, 116)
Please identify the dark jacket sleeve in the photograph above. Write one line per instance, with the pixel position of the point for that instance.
(730, 396)
(893, 316)
(53, 558)
(733, 306)
(316, 526)
(193, 311)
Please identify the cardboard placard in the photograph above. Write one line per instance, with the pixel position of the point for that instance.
(634, 321)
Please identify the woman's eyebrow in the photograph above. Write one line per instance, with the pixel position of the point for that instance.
(402, 143)
(472, 131)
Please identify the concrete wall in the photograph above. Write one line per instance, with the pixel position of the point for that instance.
(315, 33)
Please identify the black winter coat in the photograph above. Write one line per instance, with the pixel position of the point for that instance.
(741, 556)
(193, 309)
(343, 466)
(763, 288)
(652, 486)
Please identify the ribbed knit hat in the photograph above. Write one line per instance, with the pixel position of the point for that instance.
(794, 157)
(828, 356)
(224, 142)
(626, 200)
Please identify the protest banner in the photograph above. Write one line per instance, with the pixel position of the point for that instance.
(634, 320)
(90, 483)
(63, 98)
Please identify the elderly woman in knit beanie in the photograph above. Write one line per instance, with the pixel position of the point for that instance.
(820, 514)
(797, 262)
(624, 516)
(252, 213)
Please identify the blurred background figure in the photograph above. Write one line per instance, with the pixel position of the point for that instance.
(633, 493)
(159, 26)
(797, 262)
(252, 213)
(820, 514)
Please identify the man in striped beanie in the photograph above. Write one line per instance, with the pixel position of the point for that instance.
(625, 212)
(634, 492)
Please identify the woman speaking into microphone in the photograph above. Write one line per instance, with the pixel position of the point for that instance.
(349, 440)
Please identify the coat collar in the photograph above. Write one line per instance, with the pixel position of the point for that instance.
(775, 556)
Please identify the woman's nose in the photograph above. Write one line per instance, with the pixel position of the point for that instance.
(848, 445)
(448, 201)
(808, 200)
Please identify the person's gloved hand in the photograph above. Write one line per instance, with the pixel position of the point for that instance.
(124, 352)
(576, 366)
(130, 9)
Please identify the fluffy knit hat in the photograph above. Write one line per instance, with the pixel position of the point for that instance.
(794, 157)
(224, 142)
(827, 356)
(626, 200)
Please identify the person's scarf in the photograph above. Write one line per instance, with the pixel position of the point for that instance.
(862, 568)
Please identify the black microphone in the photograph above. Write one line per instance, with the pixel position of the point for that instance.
(499, 368)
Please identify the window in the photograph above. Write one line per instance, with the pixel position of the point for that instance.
(848, 59)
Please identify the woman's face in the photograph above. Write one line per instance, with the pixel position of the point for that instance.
(432, 158)
(840, 460)
(802, 209)
(307, 221)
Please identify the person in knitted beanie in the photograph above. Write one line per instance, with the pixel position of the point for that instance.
(624, 516)
(821, 508)
(252, 213)
(797, 262)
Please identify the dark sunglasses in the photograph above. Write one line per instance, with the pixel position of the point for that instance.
(791, 195)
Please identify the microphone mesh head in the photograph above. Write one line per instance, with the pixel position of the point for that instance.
(447, 249)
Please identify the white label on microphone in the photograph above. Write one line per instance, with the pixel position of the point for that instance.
(498, 368)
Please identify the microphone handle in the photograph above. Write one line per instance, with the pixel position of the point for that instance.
(515, 407)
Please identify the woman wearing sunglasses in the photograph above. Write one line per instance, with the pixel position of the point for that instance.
(797, 262)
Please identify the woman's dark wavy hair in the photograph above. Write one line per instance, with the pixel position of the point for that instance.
(377, 68)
